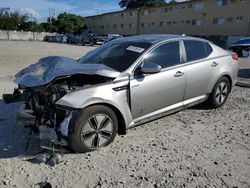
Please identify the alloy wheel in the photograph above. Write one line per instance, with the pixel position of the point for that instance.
(97, 131)
(221, 92)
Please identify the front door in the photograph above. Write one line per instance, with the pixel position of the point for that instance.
(153, 92)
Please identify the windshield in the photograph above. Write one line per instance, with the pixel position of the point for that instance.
(116, 55)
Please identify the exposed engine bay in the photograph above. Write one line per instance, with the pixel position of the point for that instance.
(42, 84)
(39, 111)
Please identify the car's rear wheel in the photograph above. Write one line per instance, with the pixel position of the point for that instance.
(220, 93)
(94, 127)
(92, 43)
(83, 43)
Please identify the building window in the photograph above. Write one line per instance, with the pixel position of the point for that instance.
(164, 10)
(122, 15)
(146, 12)
(182, 22)
(131, 14)
(197, 22)
(163, 24)
(190, 5)
(107, 26)
(131, 25)
(153, 23)
(122, 25)
(230, 19)
(114, 26)
(198, 6)
(221, 2)
(174, 22)
(142, 24)
(218, 21)
(239, 18)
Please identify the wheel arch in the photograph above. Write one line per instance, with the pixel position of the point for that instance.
(226, 75)
(229, 79)
(121, 125)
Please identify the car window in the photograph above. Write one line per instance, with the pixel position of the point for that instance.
(165, 55)
(243, 41)
(208, 48)
(196, 50)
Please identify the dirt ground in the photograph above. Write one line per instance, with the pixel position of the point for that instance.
(192, 148)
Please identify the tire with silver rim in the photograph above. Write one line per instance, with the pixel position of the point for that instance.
(220, 93)
(94, 127)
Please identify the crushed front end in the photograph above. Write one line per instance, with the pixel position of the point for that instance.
(42, 84)
(40, 113)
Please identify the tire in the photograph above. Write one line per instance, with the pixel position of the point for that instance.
(219, 94)
(92, 43)
(83, 43)
(94, 127)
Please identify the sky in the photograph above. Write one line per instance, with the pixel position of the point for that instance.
(39, 9)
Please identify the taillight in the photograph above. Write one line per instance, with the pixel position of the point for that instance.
(235, 56)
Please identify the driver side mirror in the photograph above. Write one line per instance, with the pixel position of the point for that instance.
(150, 68)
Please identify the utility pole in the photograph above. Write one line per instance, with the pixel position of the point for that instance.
(138, 21)
(51, 15)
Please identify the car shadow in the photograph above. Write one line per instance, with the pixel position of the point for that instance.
(15, 140)
(244, 73)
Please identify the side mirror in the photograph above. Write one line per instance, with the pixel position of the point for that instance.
(150, 68)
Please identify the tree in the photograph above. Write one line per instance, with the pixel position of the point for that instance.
(70, 23)
(130, 4)
(172, 2)
(11, 20)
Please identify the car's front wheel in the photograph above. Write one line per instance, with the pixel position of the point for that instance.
(94, 127)
(220, 93)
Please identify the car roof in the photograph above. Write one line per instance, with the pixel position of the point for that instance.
(244, 39)
(155, 38)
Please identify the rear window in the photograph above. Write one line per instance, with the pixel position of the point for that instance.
(196, 50)
(243, 41)
(208, 48)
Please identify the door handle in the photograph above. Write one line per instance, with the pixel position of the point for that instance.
(178, 74)
(214, 64)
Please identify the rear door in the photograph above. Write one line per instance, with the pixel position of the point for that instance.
(201, 71)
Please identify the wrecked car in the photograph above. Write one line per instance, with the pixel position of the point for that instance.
(124, 83)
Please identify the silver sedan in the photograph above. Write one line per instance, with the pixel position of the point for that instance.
(124, 83)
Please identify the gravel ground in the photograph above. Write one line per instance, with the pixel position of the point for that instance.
(192, 148)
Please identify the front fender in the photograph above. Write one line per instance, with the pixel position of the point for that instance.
(105, 94)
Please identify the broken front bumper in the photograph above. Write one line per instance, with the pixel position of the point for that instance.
(15, 97)
(25, 116)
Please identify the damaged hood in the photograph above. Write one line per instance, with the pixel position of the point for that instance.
(49, 68)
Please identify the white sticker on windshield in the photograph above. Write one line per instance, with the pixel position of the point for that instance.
(135, 49)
